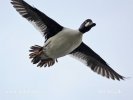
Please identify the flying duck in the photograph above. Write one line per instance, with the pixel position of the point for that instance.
(61, 41)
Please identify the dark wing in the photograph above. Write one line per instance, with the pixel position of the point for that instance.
(96, 63)
(45, 24)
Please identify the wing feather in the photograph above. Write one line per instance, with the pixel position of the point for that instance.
(95, 62)
(47, 26)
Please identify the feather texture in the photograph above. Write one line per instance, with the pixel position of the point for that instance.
(95, 62)
(47, 26)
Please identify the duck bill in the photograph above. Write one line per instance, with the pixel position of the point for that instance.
(93, 24)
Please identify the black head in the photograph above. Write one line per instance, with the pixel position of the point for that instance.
(86, 26)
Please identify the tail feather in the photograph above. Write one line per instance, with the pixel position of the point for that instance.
(47, 62)
(39, 56)
(35, 60)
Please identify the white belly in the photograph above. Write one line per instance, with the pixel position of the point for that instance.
(63, 43)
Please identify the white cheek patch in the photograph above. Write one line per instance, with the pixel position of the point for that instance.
(87, 24)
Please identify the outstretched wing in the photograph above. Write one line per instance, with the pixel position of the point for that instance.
(95, 62)
(46, 25)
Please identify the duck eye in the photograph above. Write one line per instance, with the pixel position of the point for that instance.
(87, 24)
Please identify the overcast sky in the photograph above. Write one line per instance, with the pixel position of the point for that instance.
(112, 39)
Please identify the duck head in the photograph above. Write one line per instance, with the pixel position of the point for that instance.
(86, 26)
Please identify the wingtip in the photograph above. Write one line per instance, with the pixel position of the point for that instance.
(125, 78)
(121, 78)
(116, 77)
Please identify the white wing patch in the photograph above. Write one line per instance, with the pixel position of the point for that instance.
(79, 56)
(39, 26)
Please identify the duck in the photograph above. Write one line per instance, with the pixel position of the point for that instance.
(61, 41)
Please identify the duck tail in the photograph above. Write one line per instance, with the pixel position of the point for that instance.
(39, 56)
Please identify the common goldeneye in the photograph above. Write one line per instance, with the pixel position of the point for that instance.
(61, 41)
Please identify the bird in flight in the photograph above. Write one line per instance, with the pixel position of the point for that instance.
(61, 41)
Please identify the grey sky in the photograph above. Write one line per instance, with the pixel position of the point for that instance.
(112, 39)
